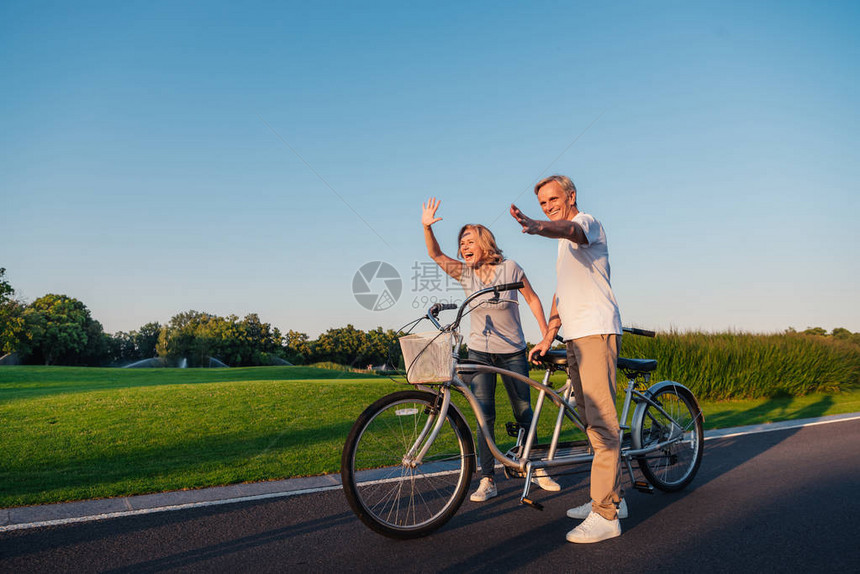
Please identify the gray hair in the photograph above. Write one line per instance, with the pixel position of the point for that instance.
(565, 182)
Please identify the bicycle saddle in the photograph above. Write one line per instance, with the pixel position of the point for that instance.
(639, 365)
(559, 358)
(555, 357)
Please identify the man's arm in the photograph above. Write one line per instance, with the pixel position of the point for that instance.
(551, 331)
(553, 229)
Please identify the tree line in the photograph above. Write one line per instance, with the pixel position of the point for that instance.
(60, 330)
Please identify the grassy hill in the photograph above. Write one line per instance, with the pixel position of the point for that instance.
(76, 433)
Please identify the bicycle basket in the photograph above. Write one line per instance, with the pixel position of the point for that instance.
(428, 357)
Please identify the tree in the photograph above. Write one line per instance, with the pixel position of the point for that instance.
(13, 332)
(354, 347)
(842, 334)
(340, 346)
(63, 332)
(146, 339)
(134, 346)
(815, 331)
(296, 347)
(263, 341)
(185, 337)
(121, 347)
(6, 290)
(380, 348)
(199, 336)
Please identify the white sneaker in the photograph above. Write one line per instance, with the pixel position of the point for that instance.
(545, 481)
(583, 511)
(594, 528)
(486, 490)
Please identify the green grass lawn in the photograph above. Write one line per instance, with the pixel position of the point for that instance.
(77, 433)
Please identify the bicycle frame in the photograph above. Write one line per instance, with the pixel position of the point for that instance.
(423, 447)
(561, 398)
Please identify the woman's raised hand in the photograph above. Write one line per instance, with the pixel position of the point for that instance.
(428, 212)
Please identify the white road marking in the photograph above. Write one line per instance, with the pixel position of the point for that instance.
(709, 435)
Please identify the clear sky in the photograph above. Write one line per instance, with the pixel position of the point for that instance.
(227, 157)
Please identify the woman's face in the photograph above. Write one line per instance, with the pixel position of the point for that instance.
(470, 251)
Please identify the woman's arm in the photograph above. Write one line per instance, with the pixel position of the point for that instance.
(450, 266)
(534, 304)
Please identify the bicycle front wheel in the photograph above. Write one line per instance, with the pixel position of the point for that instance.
(678, 422)
(389, 494)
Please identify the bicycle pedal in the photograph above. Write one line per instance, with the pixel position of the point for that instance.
(513, 429)
(643, 486)
(532, 503)
(513, 473)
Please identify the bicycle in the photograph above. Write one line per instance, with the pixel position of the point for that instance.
(409, 458)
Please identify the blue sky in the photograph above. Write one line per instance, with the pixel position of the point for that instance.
(157, 157)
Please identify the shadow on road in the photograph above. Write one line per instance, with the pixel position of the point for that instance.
(776, 408)
(756, 504)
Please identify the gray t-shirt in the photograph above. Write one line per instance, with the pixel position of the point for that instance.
(496, 327)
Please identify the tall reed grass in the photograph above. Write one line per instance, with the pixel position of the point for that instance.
(744, 365)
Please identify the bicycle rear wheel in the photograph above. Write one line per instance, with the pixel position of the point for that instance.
(673, 466)
(390, 496)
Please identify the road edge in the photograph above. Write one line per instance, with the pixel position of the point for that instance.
(26, 517)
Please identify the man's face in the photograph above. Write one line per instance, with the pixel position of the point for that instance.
(556, 204)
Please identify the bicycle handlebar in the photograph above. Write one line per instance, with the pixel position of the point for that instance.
(433, 311)
(631, 330)
(642, 332)
(508, 286)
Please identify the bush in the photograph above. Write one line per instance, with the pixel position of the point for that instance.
(332, 366)
(743, 365)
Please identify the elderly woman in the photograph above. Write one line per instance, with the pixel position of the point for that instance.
(496, 336)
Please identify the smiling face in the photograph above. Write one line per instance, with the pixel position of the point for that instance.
(477, 246)
(470, 248)
(556, 203)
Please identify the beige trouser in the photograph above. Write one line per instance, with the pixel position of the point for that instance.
(591, 366)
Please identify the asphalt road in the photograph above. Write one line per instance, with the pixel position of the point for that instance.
(783, 501)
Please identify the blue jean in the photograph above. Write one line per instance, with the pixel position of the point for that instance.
(484, 388)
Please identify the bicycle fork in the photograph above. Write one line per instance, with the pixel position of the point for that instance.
(434, 424)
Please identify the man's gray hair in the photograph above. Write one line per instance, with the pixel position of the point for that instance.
(565, 182)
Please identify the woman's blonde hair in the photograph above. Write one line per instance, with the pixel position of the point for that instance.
(485, 240)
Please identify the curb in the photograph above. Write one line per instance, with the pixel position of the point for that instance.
(26, 517)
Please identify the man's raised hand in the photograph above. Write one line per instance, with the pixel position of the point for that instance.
(530, 226)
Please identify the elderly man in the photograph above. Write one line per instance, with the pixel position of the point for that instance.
(585, 305)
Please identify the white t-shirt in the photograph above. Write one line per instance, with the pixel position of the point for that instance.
(496, 327)
(586, 304)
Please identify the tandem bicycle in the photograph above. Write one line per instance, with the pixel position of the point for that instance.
(409, 458)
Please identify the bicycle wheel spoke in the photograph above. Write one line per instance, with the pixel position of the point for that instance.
(390, 494)
(672, 422)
